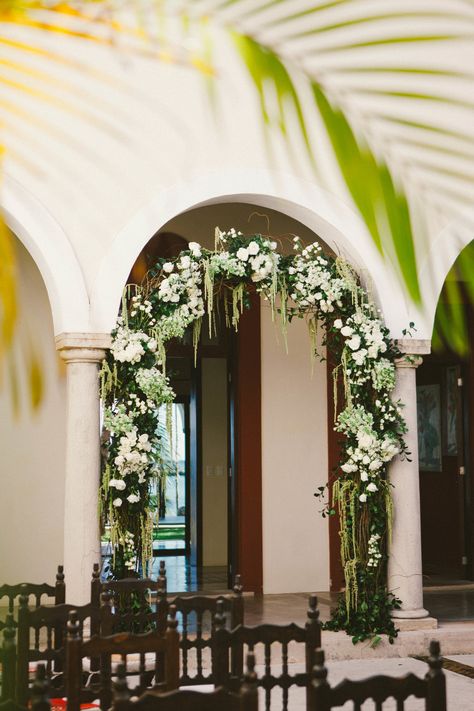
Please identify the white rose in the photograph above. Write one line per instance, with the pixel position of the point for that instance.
(348, 468)
(365, 460)
(242, 254)
(364, 476)
(372, 487)
(168, 267)
(359, 356)
(354, 343)
(346, 331)
(133, 498)
(185, 262)
(376, 464)
(253, 248)
(117, 502)
(363, 498)
(338, 323)
(365, 440)
(195, 248)
(273, 245)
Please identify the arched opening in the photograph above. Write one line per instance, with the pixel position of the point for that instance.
(445, 398)
(257, 433)
(32, 440)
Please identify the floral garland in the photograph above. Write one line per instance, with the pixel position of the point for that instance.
(308, 284)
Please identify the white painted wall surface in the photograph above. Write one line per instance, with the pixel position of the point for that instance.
(294, 462)
(32, 446)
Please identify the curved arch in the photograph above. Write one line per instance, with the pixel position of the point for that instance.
(338, 225)
(443, 252)
(52, 252)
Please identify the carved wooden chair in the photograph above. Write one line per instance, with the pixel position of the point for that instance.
(131, 649)
(131, 600)
(379, 688)
(245, 699)
(39, 695)
(196, 617)
(42, 637)
(228, 670)
(8, 659)
(54, 594)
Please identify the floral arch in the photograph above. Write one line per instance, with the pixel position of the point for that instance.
(174, 296)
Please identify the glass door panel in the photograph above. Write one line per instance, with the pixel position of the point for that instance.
(170, 530)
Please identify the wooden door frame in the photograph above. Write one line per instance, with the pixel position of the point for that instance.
(245, 490)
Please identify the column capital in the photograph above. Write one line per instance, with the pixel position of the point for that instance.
(83, 347)
(414, 346)
(412, 350)
(408, 361)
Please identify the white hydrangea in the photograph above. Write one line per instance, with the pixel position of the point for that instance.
(373, 551)
(129, 346)
(132, 457)
(313, 285)
(155, 385)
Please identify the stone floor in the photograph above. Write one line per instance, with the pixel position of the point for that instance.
(460, 689)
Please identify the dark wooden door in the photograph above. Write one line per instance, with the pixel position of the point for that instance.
(443, 470)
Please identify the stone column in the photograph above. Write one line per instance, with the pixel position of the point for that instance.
(82, 353)
(405, 566)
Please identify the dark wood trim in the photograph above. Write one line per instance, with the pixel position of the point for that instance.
(195, 456)
(232, 528)
(336, 572)
(248, 449)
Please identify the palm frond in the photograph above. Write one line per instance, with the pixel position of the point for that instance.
(389, 85)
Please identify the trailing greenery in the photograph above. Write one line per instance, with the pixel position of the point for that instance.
(175, 296)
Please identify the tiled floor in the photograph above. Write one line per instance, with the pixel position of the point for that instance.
(183, 577)
(447, 601)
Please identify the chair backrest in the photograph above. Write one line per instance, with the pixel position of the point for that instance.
(42, 635)
(196, 616)
(38, 591)
(245, 699)
(39, 696)
(227, 671)
(131, 601)
(164, 648)
(380, 687)
(8, 659)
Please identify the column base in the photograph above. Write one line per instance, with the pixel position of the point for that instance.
(414, 624)
(410, 614)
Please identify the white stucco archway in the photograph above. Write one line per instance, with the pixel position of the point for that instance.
(337, 224)
(441, 255)
(53, 254)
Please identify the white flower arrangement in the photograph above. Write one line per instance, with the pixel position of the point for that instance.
(309, 284)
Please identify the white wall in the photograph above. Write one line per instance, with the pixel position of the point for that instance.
(294, 462)
(32, 446)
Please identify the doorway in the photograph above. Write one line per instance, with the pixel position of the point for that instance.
(444, 474)
(192, 528)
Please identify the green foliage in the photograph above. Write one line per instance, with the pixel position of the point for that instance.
(371, 619)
